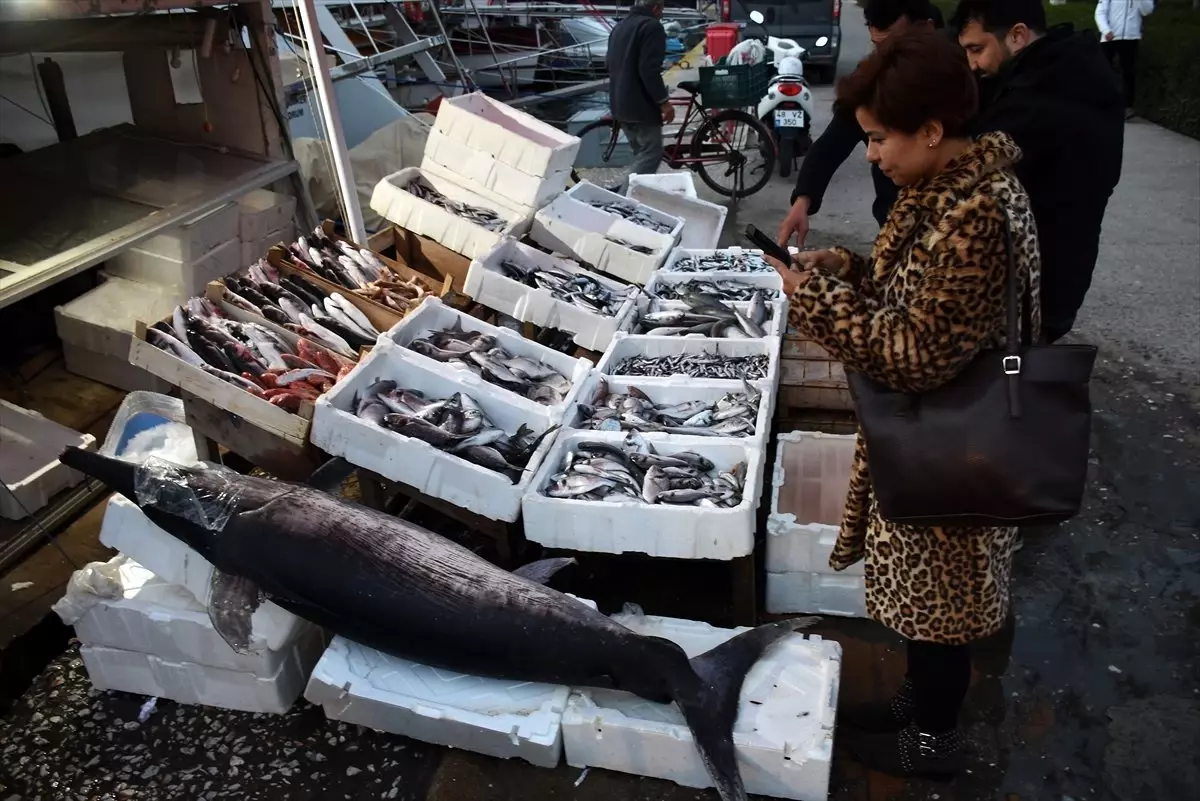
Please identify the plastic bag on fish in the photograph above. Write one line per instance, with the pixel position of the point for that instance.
(163, 485)
(94, 582)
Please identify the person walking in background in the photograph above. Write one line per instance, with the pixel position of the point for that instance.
(1120, 24)
(638, 97)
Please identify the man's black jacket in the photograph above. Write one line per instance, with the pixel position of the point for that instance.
(636, 49)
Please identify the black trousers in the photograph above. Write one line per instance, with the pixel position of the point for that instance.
(1124, 52)
(940, 676)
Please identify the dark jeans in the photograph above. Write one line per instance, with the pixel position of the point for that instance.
(940, 676)
(1124, 52)
(646, 139)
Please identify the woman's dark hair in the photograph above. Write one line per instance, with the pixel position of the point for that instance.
(910, 79)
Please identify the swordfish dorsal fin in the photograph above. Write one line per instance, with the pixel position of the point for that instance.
(330, 476)
(543, 570)
(232, 602)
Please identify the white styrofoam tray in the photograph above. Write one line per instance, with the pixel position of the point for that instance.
(682, 253)
(504, 719)
(680, 182)
(338, 431)
(392, 200)
(488, 284)
(702, 221)
(512, 137)
(30, 473)
(479, 171)
(673, 531)
(127, 529)
(816, 593)
(774, 326)
(196, 237)
(433, 315)
(783, 733)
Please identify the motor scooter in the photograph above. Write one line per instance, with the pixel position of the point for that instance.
(787, 107)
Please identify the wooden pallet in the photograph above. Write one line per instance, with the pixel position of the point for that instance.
(810, 378)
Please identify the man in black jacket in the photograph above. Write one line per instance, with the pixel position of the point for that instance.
(843, 134)
(637, 95)
(1053, 92)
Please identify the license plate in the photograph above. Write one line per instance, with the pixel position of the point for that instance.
(787, 118)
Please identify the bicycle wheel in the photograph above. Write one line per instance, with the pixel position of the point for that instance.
(605, 134)
(738, 148)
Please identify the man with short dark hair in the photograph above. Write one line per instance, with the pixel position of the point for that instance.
(1053, 92)
(637, 94)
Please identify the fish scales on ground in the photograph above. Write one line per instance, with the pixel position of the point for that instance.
(480, 353)
(408, 592)
(723, 261)
(579, 290)
(635, 213)
(695, 365)
(249, 356)
(707, 315)
(483, 217)
(721, 290)
(734, 414)
(632, 471)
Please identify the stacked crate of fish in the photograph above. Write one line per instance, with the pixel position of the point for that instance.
(453, 407)
(702, 221)
(809, 485)
(718, 305)
(614, 234)
(487, 168)
(550, 291)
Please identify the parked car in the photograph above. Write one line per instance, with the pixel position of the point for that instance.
(815, 24)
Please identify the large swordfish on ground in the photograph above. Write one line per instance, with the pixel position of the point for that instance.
(385, 583)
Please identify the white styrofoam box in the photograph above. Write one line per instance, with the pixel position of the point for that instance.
(187, 279)
(192, 683)
(433, 315)
(505, 719)
(683, 253)
(254, 250)
(392, 200)
(775, 325)
(512, 137)
(783, 733)
(481, 172)
(127, 529)
(702, 221)
(30, 473)
(115, 371)
(488, 284)
(338, 431)
(680, 182)
(816, 593)
(673, 531)
(191, 240)
(263, 211)
(770, 283)
(803, 548)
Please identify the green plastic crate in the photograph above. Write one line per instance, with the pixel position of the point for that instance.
(733, 86)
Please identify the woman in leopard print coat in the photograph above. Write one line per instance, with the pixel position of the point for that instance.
(912, 315)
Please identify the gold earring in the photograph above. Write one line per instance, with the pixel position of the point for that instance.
(933, 143)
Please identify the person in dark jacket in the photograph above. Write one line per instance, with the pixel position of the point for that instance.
(843, 134)
(1053, 92)
(637, 95)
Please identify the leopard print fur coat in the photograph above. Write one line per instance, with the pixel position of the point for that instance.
(912, 316)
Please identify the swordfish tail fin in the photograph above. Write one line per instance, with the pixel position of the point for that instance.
(116, 474)
(710, 705)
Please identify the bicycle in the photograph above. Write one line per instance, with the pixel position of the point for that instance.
(714, 142)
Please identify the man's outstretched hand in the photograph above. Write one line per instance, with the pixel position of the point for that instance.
(795, 223)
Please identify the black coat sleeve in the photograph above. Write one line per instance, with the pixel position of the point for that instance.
(829, 152)
(650, 62)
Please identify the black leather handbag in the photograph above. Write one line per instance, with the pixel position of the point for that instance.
(1004, 443)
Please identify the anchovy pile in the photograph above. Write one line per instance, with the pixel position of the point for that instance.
(249, 356)
(356, 269)
(631, 470)
(635, 213)
(478, 351)
(456, 425)
(630, 245)
(577, 289)
(721, 290)
(732, 415)
(706, 315)
(695, 365)
(484, 218)
(723, 260)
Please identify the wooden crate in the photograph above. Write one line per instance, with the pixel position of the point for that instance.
(423, 255)
(809, 378)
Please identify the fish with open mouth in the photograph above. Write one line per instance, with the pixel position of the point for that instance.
(730, 290)
(480, 353)
(734, 414)
(695, 365)
(483, 217)
(722, 261)
(632, 471)
(634, 212)
(578, 289)
(707, 315)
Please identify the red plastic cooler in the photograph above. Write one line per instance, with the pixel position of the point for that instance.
(720, 38)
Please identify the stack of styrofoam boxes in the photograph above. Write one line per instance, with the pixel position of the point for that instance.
(488, 283)
(96, 328)
(186, 258)
(572, 225)
(30, 473)
(265, 219)
(157, 639)
(338, 431)
(486, 154)
(783, 732)
(809, 485)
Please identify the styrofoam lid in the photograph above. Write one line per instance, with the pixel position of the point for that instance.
(119, 303)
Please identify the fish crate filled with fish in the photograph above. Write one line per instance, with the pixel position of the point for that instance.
(739, 287)
(614, 234)
(671, 496)
(448, 212)
(719, 263)
(810, 378)
(702, 221)
(550, 291)
(702, 314)
(449, 436)
(519, 370)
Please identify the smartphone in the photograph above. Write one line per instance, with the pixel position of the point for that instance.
(768, 245)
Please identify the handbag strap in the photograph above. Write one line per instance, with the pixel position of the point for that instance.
(1016, 335)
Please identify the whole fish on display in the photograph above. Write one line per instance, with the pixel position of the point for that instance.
(391, 585)
(732, 415)
(699, 313)
(635, 213)
(723, 260)
(579, 290)
(727, 289)
(696, 365)
(611, 472)
(477, 215)
(630, 245)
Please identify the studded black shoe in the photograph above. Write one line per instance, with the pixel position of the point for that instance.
(908, 753)
(880, 717)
